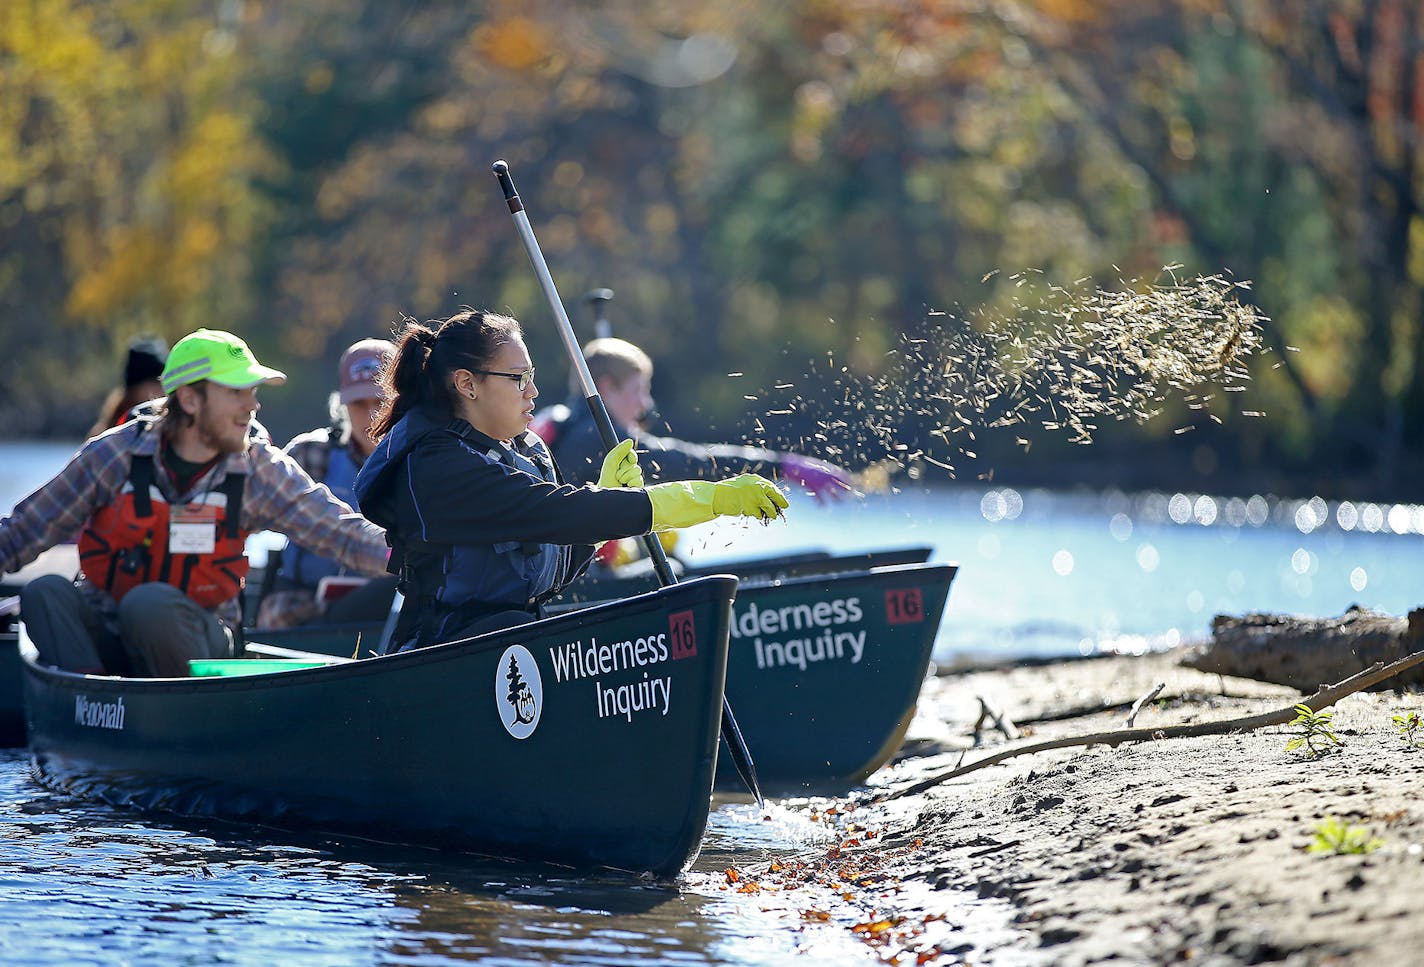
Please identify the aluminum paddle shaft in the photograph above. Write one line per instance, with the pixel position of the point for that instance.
(741, 756)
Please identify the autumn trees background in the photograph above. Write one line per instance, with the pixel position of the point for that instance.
(785, 191)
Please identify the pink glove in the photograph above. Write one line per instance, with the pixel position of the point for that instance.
(824, 481)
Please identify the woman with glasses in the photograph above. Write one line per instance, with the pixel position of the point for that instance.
(483, 529)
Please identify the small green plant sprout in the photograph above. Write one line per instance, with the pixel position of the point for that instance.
(1408, 725)
(1336, 838)
(1313, 734)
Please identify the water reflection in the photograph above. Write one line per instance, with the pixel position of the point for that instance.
(90, 883)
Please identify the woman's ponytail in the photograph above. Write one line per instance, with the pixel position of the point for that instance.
(404, 383)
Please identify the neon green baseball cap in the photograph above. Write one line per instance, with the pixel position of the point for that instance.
(217, 356)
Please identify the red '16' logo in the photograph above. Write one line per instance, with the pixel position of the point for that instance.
(684, 638)
(904, 605)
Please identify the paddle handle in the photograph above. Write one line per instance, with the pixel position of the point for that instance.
(599, 299)
(731, 733)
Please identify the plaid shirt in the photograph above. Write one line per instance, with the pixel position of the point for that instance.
(312, 451)
(278, 496)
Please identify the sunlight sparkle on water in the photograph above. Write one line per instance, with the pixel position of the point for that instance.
(1204, 511)
(1257, 510)
(1311, 514)
(1179, 508)
(1234, 513)
(997, 505)
(1400, 518)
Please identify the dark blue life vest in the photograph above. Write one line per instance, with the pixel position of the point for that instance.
(307, 568)
(509, 575)
(451, 586)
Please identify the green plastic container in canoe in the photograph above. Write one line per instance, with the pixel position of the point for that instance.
(224, 667)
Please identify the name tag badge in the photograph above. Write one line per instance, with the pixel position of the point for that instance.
(192, 529)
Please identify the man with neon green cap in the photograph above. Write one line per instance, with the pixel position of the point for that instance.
(161, 507)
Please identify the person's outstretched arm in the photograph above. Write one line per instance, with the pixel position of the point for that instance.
(284, 498)
(60, 508)
(668, 458)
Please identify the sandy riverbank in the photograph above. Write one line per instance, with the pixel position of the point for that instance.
(1179, 850)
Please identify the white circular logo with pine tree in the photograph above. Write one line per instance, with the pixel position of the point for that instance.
(518, 691)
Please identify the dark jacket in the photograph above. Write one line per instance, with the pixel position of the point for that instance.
(479, 528)
(578, 448)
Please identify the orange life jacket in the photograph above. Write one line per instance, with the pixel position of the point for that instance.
(126, 542)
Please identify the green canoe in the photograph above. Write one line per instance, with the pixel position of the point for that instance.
(588, 739)
(823, 672)
(12, 702)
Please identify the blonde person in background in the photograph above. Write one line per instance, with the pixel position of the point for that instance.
(333, 455)
(623, 375)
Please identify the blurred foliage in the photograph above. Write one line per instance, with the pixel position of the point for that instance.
(787, 192)
(129, 200)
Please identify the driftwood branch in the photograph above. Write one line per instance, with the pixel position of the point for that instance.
(1325, 697)
(1146, 697)
(995, 716)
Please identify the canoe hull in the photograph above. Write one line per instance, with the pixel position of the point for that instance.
(425, 747)
(818, 728)
(12, 697)
(824, 673)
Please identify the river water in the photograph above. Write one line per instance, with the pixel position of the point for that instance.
(86, 884)
(1041, 573)
(1047, 572)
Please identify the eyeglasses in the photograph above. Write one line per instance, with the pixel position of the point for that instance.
(523, 379)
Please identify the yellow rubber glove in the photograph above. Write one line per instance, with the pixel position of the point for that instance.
(620, 467)
(684, 503)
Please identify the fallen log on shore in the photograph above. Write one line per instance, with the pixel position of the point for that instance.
(1304, 652)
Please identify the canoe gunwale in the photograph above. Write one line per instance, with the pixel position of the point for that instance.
(753, 572)
(889, 572)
